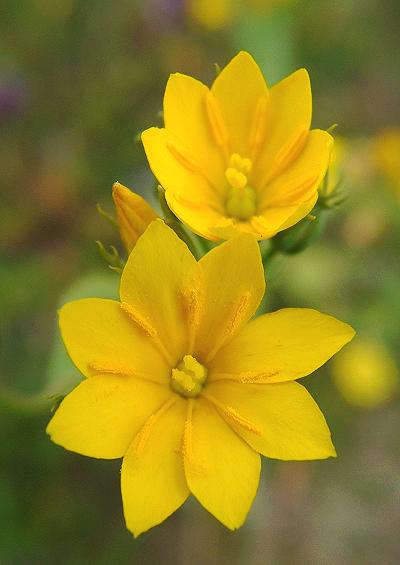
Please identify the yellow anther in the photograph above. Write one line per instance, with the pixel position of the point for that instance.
(183, 156)
(188, 378)
(295, 192)
(258, 126)
(142, 437)
(216, 120)
(187, 442)
(192, 303)
(147, 328)
(187, 449)
(291, 150)
(111, 368)
(257, 378)
(231, 414)
(238, 314)
(139, 319)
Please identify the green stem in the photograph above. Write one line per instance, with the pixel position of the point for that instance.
(269, 254)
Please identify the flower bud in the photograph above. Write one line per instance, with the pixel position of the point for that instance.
(301, 235)
(331, 192)
(133, 214)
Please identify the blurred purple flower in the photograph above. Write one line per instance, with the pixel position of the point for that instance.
(164, 14)
(13, 96)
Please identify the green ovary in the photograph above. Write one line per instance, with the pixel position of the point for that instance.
(241, 203)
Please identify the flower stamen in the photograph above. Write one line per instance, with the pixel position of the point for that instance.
(192, 306)
(286, 155)
(187, 449)
(233, 323)
(183, 156)
(147, 328)
(105, 367)
(232, 415)
(293, 193)
(249, 377)
(139, 319)
(258, 127)
(142, 437)
(216, 120)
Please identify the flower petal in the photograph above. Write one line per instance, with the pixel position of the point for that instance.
(300, 212)
(290, 424)
(282, 346)
(189, 193)
(300, 181)
(175, 168)
(152, 283)
(198, 215)
(238, 90)
(101, 416)
(290, 120)
(96, 333)
(228, 227)
(234, 285)
(221, 470)
(153, 481)
(185, 116)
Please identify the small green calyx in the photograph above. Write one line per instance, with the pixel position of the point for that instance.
(188, 378)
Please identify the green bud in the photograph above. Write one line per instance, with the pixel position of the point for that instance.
(301, 235)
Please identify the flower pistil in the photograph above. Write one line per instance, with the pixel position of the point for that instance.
(188, 378)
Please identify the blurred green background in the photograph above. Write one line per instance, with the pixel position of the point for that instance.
(79, 80)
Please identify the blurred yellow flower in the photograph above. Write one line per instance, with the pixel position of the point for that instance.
(218, 14)
(238, 157)
(213, 14)
(387, 156)
(184, 388)
(134, 214)
(365, 373)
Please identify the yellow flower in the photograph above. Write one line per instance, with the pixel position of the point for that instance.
(213, 14)
(184, 388)
(365, 373)
(387, 156)
(238, 156)
(218, 14)
(134, 214)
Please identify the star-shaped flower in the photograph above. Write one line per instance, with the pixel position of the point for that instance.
(187, 390)
(238, 156)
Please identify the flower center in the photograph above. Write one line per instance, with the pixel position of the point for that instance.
(241, 198)
(188, 378)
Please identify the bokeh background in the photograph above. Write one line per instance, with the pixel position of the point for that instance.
(79, 81)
